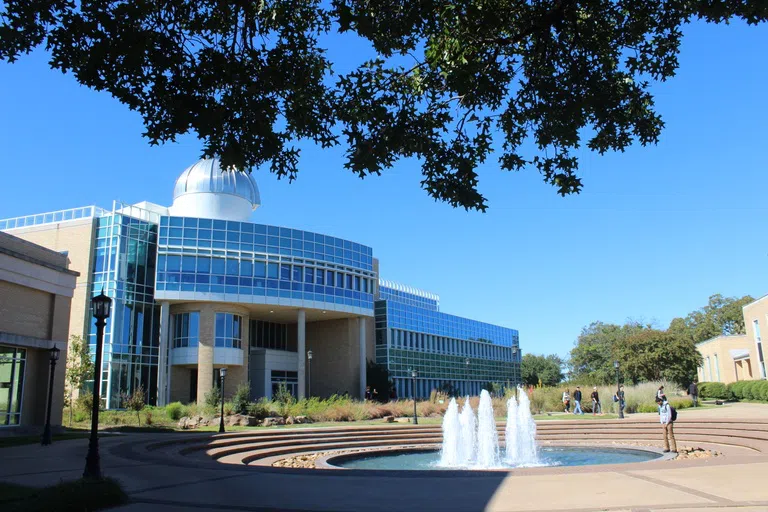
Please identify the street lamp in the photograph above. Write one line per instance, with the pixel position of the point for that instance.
(414, 374)
(309, 373)
(618, 390)
(54, 356)
(222, 373)
(100, 308)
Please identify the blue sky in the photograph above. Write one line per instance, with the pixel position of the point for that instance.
(654, 233)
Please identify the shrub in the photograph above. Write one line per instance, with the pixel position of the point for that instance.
(716, 390)
(241, 398)
(135, 402)
(84, 403)
(764, 390)
(80, 416)
(259, 409)
(175, 411)
(211, 399)
(148, 417)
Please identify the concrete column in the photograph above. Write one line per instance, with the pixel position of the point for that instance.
(302, 349)
(205, 352)
(363, 357)
(163, 366)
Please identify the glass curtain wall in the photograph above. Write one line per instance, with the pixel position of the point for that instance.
(124, 267)
(12, 362)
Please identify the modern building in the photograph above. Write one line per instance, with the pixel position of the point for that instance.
(756, 323)
(36, 288)
(726, 359)
(198, 286)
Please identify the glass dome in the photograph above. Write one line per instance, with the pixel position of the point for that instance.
(207, 176)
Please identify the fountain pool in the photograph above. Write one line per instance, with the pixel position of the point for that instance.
(548, 456)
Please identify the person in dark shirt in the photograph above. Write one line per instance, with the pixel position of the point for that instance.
(596, 409)
(577, 401)
(620, 399)
(693, 390)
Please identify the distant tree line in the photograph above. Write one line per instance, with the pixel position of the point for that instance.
(644, 351)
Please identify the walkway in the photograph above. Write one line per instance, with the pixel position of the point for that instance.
(163, 478)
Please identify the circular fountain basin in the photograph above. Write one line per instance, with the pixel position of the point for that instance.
(548, 456)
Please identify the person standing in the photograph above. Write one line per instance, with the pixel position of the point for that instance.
(567, 401)
(620, 397)
(668, 424)
(577, 401)
(693, 390)
(596, 409)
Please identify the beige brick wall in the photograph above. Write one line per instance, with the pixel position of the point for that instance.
(236, 375)
(25, 311)
(757, 311)
(336, 355)
(720, 360)
(76, 237)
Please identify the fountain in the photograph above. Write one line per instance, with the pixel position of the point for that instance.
(527, 451)
(468, 436)
(451, 454)
(487, 436)
(472, 442)
(510, 433)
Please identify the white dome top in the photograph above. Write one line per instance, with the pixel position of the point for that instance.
(206, 190)
(208, 176)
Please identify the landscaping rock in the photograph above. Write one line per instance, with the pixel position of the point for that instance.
(191, 422)
(403, 420)
(389, 419)
(302, 420)
(290, 420)
(271, 422)
(242, 420)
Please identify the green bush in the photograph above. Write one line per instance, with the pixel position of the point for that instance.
(737, 388)
(242, 398)
(260, 409)
(175, 411)
(716, 390)
(211, 399)
(84, 403)
(763, 390)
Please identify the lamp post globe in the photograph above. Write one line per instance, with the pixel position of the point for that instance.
(101, 307)
(222, 373)
(53, 355)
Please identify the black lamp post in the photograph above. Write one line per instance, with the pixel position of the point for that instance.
(414, 374)
(100, 307)
(223, 373)
(618, 390)
(309, 374)
(54, 356)
(466, 364)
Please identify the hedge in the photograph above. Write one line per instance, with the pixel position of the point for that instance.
(742, 390)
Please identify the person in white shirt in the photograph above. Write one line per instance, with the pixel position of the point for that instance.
(567, 401)
(667, 423)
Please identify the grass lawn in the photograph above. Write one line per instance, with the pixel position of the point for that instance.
(77, 496)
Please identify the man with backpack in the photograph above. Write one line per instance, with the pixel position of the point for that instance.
(667, 417)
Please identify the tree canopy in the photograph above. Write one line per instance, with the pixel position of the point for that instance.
(545, 370)
(447, 83)
(646, 353)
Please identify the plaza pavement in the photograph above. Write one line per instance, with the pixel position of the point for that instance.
(157, 481)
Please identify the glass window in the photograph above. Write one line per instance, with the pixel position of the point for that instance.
(309, 275)
(320, 276)
(285, 272)
(233, 267)
(259, 269)
(331, 277)
(246, 268)
(228, 330)
(186, 329)
(174, 263)
(217, 266)
(272, 270)
(339, 280)
(298, 271)
(203, 265)
(12, 362)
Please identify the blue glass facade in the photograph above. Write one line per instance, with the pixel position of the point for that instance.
(449, 352)
(260, 263)
(124, 266)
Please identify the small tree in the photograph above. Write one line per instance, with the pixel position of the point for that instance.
(135, 402)
(79, 368)
(242, 398)
(211, 398)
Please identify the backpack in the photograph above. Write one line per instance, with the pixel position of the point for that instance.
(673, 413)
